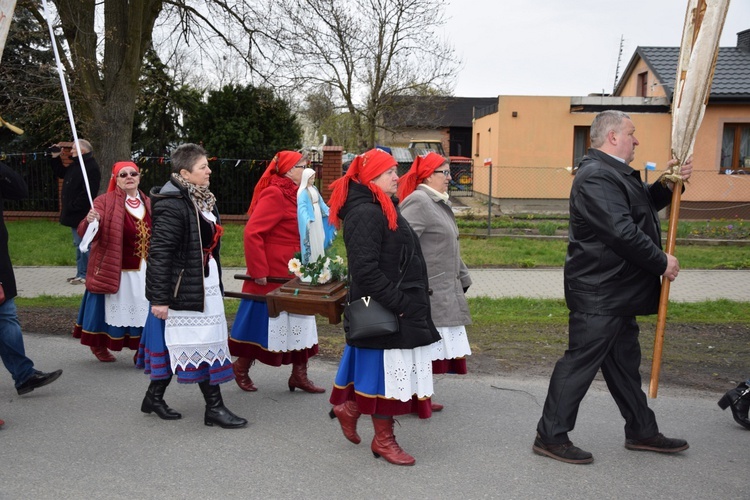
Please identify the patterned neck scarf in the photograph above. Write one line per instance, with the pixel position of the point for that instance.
(201, 196)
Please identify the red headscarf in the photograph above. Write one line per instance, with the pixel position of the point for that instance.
(116, 170)
(280, 165)
(422, 168)
(363, 169)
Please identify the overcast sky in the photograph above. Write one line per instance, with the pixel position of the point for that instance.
(557, 47)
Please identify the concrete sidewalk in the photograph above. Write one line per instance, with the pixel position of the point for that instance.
(690, 286)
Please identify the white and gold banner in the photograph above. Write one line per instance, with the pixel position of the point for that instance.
(6, 16)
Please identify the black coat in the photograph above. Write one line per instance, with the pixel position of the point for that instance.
(174, 276)
(12, 187)
(376, 255)
(75, 201)
(614, 258)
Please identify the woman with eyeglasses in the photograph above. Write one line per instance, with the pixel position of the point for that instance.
(423, 192)
(186, 330)
(114, 306)
(271, 239)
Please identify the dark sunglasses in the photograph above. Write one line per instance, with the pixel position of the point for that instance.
(123, 175)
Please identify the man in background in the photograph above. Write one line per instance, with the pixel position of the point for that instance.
(75, 200)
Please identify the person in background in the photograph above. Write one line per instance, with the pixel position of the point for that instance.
(389, 375)
(75, 200)
(738, 399)
(423, 192)
(12, 349)
(271, 240)
(612, 274)
(186, 331)
(114, 307)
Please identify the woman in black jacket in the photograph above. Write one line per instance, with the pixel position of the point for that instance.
(391, 375)
(186, 332)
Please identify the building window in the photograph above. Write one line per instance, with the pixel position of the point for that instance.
(642, 90)
(735, 148)
(476, 147)
(581, 144)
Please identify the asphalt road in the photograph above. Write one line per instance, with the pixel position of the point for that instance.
(85, 437)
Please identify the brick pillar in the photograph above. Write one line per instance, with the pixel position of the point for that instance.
(331, 169)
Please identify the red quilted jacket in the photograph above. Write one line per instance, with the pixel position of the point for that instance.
(105, 259)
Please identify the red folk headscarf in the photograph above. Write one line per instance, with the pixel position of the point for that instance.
(422, 167)
(280, 165)
(363, 169)
(116, 170)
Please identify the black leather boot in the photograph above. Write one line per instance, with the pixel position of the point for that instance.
(216, 412)
(154, 401)
(739, 401)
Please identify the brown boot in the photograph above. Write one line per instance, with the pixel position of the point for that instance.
(241, 367)
(384, 443)
(348, 414)
(103, 354)
(299, 380)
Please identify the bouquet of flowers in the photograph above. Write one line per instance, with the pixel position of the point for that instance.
(320, 271)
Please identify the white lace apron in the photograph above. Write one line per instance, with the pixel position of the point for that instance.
(195, 337)
(453, 343)
(408, 372)
(291, 332)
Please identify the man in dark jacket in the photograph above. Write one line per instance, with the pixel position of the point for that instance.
(75, 199)
(612, 272)
(12, 350)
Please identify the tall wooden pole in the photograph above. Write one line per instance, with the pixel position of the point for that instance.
(661, 317)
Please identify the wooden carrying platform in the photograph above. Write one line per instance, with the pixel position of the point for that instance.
(296, 297)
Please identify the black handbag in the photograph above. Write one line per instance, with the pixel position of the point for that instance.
(369, 319)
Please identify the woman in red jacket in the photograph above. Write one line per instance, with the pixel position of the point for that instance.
(271, 239)
(114, 306)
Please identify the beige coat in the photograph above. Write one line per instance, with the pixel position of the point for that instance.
(433, 221)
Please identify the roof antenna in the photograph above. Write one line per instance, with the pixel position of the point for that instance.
(619, 58)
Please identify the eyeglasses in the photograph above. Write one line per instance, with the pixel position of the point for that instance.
(123, 175)
(446, 173)
(300, 166)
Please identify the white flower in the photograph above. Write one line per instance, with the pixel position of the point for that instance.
(325, 276)
(338, 259)
(295, 266)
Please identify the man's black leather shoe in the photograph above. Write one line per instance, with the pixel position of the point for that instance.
(566, 452)
(657, 443)
(38, 379)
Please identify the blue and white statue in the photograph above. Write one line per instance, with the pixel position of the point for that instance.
(315, 232)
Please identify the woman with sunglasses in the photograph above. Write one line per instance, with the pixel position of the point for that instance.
(114, 307)
(423, 192)
(271, 240)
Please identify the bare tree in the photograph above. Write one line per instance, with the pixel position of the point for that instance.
(106, 42)
(367, 51)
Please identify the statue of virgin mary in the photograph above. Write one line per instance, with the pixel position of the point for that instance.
(315, 232)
